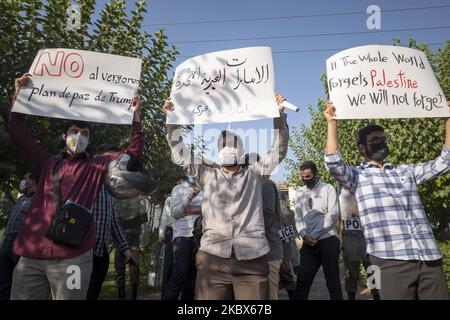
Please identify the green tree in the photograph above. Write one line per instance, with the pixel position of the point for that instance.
(411, 141)
(30, 25)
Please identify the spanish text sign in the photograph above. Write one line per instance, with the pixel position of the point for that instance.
(224, 86)
(384, 82)
(82, 85)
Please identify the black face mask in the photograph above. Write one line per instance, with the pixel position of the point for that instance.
(310, 183)
(377, 151)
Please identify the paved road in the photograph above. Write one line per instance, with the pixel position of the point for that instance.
(318, 291)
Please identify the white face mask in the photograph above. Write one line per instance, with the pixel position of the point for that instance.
(228, 156)
(22, 185)
(76, 143)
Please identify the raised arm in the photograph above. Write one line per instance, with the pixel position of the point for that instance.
(18, 134)
(137, 140)
(341, 171)
(332, 142)
(280, 144)
(181, 153)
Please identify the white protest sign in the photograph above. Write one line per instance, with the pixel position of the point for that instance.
(224, 86)
(384, 82)
(82, 85)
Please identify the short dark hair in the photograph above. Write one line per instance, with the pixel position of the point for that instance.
(364, 132)
(309, 165)
(32, 176)
(79, 124)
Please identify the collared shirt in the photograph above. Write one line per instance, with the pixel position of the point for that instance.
(183, 224)
(317, 211)
(391, 212)
(17, 214)
(81, 181)
(108, 224)
(166, 219)
(232, 202)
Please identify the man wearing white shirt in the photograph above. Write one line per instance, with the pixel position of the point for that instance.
(165, 238)
(316, 215)
(185, 204)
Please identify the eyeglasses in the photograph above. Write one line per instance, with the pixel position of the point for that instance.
(376, 140)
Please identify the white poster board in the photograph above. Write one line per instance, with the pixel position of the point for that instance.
(224, 86)
(81, 85)
(384, 82)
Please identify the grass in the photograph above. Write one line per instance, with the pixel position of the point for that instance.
(109, 289)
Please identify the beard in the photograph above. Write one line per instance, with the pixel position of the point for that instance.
(377, 152)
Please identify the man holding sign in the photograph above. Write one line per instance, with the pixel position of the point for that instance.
(231, 262)
(398, 235)
(46, 265)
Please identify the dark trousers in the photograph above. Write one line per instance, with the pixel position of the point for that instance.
(181, 283)
(325, 253)
(168, 261)
(100, 267)
(411, 279)
(8, 261)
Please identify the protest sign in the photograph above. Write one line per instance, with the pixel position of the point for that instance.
(81, 85)
(384, 82)
(224, 86)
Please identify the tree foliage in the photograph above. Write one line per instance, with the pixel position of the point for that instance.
(410, 141)
(30, 25)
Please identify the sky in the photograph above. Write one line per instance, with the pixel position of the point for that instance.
(298, 61)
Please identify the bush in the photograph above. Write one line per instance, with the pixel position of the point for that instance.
(444, 246)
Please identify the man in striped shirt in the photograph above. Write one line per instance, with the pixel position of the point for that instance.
(108, 226)
(231, 262)
(398, 235)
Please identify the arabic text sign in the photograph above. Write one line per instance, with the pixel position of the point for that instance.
(82, 85)
(224, 86)
(384, 82)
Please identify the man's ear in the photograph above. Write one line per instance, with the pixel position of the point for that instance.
(63, 136)
(362, 149)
